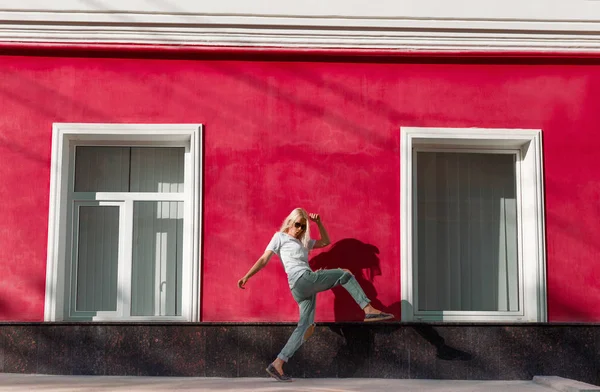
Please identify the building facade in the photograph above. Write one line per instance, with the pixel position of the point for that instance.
(151, 150)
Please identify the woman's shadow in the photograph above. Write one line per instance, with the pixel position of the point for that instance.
(363, 261)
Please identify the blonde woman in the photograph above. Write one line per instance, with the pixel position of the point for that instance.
(292, 244)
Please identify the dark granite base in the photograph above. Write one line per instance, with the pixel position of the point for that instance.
(393, 350)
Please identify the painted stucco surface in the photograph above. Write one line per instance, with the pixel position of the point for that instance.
(323, 135)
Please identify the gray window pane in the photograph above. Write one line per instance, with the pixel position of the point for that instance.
(97, 258)
(101, 169)
(157, 169)
(129, 169)
(157, 258)
(466, 221)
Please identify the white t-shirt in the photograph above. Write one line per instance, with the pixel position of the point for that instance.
(292, 253)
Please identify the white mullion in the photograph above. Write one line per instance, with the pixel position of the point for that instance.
(413, 231)
(478, 317)
(159, 294)
(125, 260)
(102, 316)
(524, 294)
(188, 227)
(157, 272)
(519, 230)
(432, 313)
(128, 143)
(406, 228)
(470, 150)
(133, 196)
(159, 256)
(162, 289)
(195, 202)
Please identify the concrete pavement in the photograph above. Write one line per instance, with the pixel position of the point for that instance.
(46, 383)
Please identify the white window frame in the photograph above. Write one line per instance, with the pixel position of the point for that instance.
(530, 213)
(65, 136)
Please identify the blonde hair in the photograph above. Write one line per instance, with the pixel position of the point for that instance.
(295, 216)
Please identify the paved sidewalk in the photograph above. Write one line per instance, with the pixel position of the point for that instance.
(20, 382)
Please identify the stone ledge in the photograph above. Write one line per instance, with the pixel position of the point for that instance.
(388, 351)
(564, 384)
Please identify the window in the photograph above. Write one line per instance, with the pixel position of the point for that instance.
(472, 225)
(124, 223)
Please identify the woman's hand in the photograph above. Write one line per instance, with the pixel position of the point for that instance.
(324, 241)
(242, 283)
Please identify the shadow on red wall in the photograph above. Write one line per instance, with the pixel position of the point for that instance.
(363, 261)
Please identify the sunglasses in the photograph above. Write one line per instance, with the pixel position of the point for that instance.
(299, 225)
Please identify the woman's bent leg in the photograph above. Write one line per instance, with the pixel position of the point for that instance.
(328, 279)
(307, 318)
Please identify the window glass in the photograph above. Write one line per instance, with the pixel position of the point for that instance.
(97, 258)
(129, 169)
(466, 217)
(157, 258)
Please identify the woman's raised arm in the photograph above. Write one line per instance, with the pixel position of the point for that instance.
(260, 263)
(324, 240)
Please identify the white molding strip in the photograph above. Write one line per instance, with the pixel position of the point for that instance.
(531, 214)
(442, 34)
(57, 272)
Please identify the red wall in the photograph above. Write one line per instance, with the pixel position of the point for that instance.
(323, 135)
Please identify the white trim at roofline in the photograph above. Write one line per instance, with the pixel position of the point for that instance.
(141, 134)
(410, 33)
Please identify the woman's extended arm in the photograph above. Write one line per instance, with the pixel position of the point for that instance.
(324, 241)
(260, 263)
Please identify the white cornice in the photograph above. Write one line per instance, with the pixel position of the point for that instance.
(442, 34)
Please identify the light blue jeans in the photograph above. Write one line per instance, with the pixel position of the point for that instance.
(305, 293)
